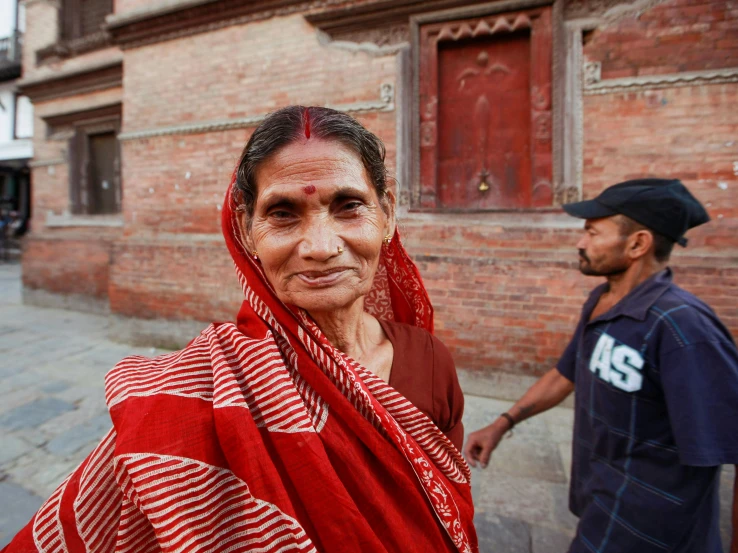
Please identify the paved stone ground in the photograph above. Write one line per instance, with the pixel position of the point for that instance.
(52, 413)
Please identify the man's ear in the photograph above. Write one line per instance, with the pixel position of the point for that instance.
(639, 244)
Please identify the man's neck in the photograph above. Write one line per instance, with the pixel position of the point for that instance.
(622, 284)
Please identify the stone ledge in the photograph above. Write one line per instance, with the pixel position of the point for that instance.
(93, 77)
(384, 103)
(67, 220)
(653, 82)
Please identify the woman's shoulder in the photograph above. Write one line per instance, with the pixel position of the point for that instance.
(424, 372)
(187, 372)
(415, 341)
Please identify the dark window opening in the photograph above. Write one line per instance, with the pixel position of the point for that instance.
(81, 18)
(104, 194)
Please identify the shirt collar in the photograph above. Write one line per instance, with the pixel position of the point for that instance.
(638, 301)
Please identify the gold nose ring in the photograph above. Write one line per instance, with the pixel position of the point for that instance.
(340, 249)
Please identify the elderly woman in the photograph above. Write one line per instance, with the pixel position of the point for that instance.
(326, 419)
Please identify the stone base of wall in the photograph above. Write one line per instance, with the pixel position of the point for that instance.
(506, 386)
(75, 302)
(158, 333)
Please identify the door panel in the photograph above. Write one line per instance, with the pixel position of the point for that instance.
(102, 180)
(484, 115)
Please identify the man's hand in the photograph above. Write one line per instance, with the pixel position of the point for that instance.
(480, 444)
(549, 390)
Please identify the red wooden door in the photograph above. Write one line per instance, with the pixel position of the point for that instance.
(484, 158)
(484, 121)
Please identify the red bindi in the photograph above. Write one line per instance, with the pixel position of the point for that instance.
(309, 189)
(306, 122)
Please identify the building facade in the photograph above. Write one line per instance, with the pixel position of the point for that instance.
(16, 131)
(493, 114)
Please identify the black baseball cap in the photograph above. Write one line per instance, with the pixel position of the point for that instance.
(662, 205)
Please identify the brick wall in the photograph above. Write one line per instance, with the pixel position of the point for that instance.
(69, 262)
(506, 294)
(245, 70)
(674, 36)
(41, 31)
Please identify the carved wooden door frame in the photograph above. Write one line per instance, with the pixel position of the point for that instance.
(540, 16)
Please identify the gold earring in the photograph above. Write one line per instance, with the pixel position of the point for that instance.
(255, 255)
(340, 249)
(387, 239)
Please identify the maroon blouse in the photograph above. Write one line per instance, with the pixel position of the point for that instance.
(424, 372)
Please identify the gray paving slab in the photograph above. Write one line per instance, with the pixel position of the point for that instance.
(12, 447)
(726, 503)
(498, 534)
(548, 540)
(34, 413)
(19, 506)
(81, 437)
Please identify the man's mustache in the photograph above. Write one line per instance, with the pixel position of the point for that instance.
(583, 255)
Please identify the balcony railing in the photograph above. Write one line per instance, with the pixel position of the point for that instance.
(10, 55)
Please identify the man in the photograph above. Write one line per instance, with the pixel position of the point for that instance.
(656, 379)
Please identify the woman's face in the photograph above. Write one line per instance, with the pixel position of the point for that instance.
(318, 225)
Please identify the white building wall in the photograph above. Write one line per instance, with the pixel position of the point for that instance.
(16, 116)
(23, 117)
(7, 113)
(8, 9)
(21, 146)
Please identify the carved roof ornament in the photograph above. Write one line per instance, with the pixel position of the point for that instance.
(486, 26)
(387, 22)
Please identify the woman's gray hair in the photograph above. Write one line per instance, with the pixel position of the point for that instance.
(294, 123)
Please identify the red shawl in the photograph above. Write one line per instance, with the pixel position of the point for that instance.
(261, 436)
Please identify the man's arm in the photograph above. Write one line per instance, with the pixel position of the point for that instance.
(550, 390)
(734, 542)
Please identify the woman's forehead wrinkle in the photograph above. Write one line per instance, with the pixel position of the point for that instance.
(305, 168)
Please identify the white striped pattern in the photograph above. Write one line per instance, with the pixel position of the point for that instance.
(431, 440)
(231, 370)
(315, 405)
(196, 507)
(185, 373)
(344, 380)
(416, 423)
(48, 535)
(135, 533)
(266, 387)
(97, 506)
(410, 419)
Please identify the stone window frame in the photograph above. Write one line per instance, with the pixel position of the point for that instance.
(565, 96)
(76, 128)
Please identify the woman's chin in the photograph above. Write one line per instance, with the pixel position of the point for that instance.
(324, 299)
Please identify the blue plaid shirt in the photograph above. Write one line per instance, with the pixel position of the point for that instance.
(656, 415)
